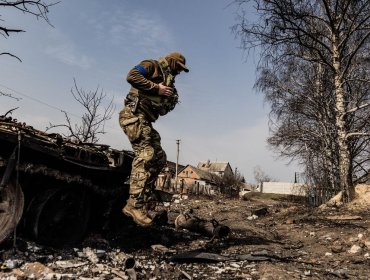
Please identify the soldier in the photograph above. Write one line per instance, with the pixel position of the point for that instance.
(152, 94)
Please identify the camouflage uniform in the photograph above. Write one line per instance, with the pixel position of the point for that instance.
(143, 106)
(149, 155)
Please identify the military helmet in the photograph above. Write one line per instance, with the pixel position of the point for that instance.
(180, 60)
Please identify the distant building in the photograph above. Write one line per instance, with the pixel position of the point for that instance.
(219, 168)
(166, 179)
(196, 181)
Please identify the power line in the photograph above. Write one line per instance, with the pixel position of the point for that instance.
(39, 101)
(52, 106)
(177, 160)
(49, 105)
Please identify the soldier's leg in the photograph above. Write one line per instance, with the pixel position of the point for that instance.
(137, 130)
(136, 204)
(141, 173)
(139, 177)
(159, 159)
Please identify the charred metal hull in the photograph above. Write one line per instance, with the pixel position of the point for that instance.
(63, 182)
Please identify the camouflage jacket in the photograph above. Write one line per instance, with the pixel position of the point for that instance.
(144, 79)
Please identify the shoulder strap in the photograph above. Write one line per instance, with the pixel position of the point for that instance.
(169, 79)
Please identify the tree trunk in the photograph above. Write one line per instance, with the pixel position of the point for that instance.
(345, 177)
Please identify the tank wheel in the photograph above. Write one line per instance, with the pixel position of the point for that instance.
(11, 208)
(59, 216)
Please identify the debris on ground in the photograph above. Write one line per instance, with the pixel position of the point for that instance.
(284, 239)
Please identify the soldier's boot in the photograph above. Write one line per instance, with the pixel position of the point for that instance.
(139, 215)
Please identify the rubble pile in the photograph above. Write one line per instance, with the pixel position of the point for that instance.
(361, 201)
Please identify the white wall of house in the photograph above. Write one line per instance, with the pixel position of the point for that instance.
(282, 188)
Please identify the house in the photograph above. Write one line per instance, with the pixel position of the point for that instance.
(166, 179)
(221, 169)
(196, 181)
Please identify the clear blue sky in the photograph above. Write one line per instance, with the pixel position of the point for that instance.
(220, 117)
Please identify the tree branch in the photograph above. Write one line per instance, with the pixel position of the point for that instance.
(12, 55)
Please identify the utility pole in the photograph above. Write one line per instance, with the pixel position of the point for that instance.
(177, 162)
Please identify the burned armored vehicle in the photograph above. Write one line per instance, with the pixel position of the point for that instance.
(51, 187)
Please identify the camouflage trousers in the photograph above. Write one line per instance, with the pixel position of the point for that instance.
(149, 156)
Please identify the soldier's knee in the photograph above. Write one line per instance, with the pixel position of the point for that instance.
(147, 154)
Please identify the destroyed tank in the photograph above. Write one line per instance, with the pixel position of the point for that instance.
(53, 189)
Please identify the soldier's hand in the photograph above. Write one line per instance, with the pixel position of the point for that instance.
(165, 90)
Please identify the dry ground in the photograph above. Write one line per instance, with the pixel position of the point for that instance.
(293, 240)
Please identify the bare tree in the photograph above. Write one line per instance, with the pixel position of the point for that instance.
(325, 46)
(9, 112)
(37, 8)
(304, 115)
(260, 176)
(228, 184)
(93, 120)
